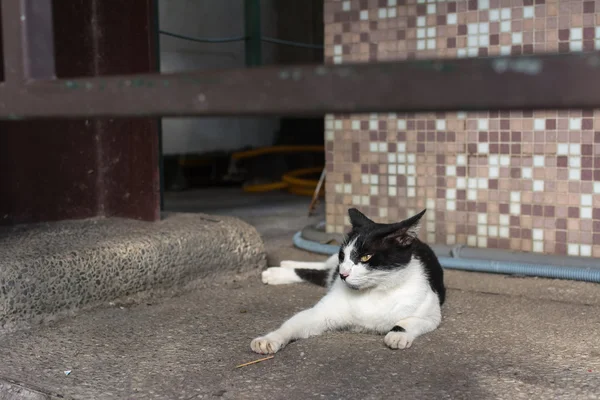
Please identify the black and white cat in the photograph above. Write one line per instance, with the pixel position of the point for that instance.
(384, 280)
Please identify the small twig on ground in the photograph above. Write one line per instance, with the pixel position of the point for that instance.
(254, 362)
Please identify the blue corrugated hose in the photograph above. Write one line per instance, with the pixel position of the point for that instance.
(468, 264)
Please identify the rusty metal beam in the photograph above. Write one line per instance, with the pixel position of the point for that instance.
(526, 82)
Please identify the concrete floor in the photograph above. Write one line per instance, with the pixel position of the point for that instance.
(501, 338)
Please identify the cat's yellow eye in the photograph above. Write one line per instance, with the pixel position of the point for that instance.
(366, 258)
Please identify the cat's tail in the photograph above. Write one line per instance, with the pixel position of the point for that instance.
(318, 273)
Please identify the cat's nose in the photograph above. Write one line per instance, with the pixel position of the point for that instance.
(344, 275)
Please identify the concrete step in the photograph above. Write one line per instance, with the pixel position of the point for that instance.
(490, 346)
(52, 270)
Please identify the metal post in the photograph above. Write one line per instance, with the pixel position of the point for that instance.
(253, 33)
(155, 31)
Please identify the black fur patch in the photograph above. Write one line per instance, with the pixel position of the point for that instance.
(397, 328)
(316, 276)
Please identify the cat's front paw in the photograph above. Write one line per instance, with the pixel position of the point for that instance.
(266, 345)
(398, 340)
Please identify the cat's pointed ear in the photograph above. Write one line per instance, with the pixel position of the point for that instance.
(407, 231)
(358, 219)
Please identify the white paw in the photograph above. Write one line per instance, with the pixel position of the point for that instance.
(266, 345)
(279, 276)
(398, 340)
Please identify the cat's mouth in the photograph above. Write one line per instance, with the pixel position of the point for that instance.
(352, 286)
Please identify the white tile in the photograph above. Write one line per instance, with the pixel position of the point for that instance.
(383, 212)
(430, 44)
(364, 15)
(483, 4)
(539, 161)
(461, 53)
(576, 45)
(450, 170)
(574, 174)
(421, 21)
(482, 230)
(505, 13)
(484, 40)
(450, 205)
(401, 169)
(473, 29)
(482, 183)
(410, 181)
(355, 125)
(484, 28)
(504, 220)
(494, 15)
(517, 38)
(505, 160)
(504, 232)
(392, 158)
(575, 162)
(573, 249)
(356, 200)
(365, 200)
(472, 41)
(598, 32)
(472, 194)
(374, 179)
(411, 192)
(440, 125)
(364, 178)
(461, 183)
(329, 135)
(482, 242)
(493, 159)
(337, 124)
(527, 173)
(382, 14)
(392, 180)
(392, 191)
(373, 125)
(421, 45)
(482, 124)
(401, 124)
(575, 149)
(431, 32)
(337, 50)
(586, 212)
(430, 205)
(392, 12)
(493, 231)
(585, 250)
(411, 158)
(346, 6)
(539, 124)
(482, 219)
(472, 241)
(461, 115)
(562, 149)
(538, 234)
(505, 27)
(383, 147)
(575, 123)
(472, 183)
(373, 147)
(528, 12)
(392, 169)
(451, 194)
(450, 240)
(515, 197)
(431, 8)
(431, 237)
(401, 149)
(597, 187)
(483, 148)
(374, 190)
(472, 52)
(339, 188)
(504, 50)
(347, 188)
(337, 59)
(461, 160)
(494, 172)
(411, 170)
(392, 3)
(451, 19)
(576, 34)
(538, 247)
(597, 44)
(515, 209)
(421, 33)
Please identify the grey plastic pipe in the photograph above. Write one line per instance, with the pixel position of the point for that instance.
(586, 274)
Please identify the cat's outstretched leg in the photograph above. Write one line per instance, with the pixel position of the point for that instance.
(299, 271)
(311, 322)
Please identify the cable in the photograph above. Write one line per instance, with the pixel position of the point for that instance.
(290, 43)
(201, 40)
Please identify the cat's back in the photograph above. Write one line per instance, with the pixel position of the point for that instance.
(432, 269)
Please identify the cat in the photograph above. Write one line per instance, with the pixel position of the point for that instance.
(384, 280)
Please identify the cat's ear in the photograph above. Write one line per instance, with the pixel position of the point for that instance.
(358, 219)
(405, 232)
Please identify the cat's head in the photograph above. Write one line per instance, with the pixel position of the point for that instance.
(372, 251)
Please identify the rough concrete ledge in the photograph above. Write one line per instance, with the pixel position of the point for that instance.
(53, 269)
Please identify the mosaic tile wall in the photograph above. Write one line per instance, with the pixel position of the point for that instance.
(526, 181)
